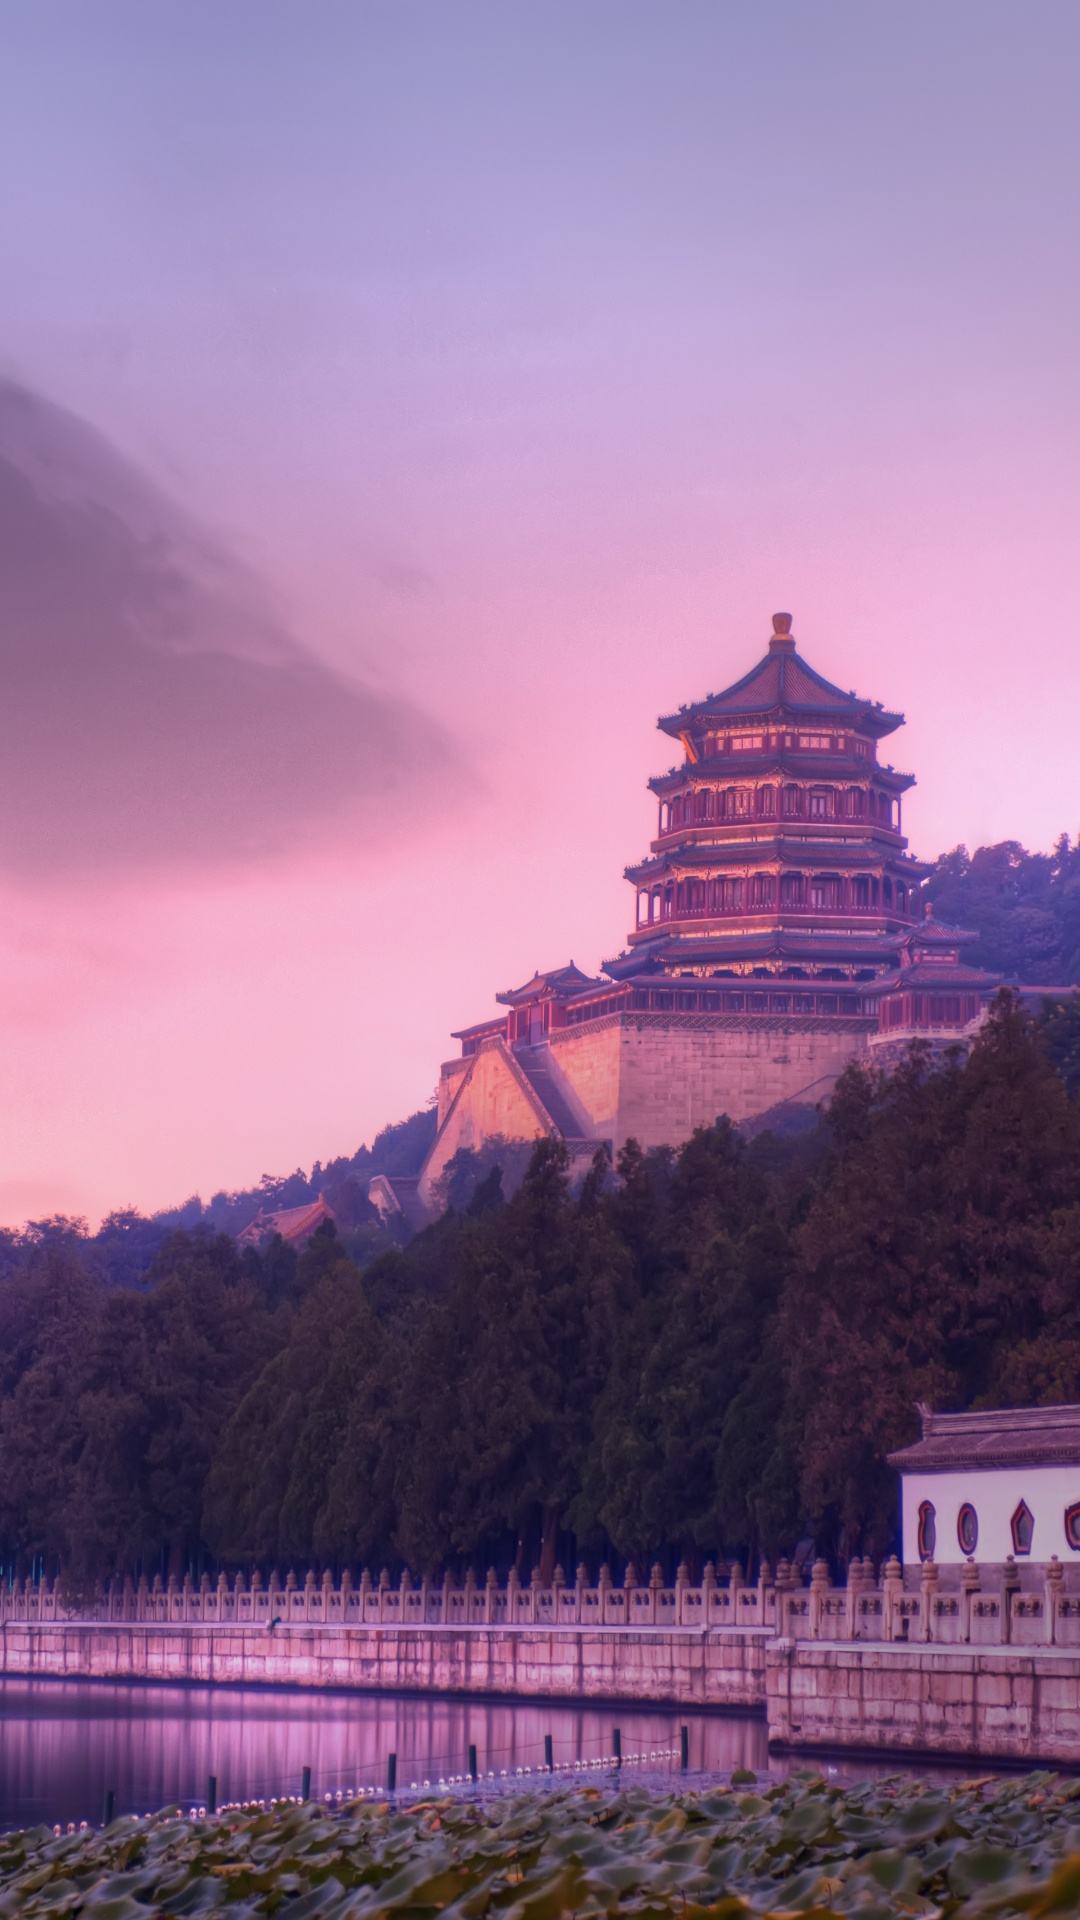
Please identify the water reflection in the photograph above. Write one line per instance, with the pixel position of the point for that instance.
(62, 1744)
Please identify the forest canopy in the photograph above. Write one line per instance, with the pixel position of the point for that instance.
(1025, 908)
(699, 1353)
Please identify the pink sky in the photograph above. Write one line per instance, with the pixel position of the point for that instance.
(494, 374)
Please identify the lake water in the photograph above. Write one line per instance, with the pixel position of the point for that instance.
(62, 1744)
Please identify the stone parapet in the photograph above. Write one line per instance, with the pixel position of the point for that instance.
(1011, 1604)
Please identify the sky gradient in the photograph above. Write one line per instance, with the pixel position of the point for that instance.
(400, 406)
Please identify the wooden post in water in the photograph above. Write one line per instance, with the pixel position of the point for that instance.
(472, 1762)
(391, 1773)
(305, 1784)
(107, 1811)
(549, 1753)
(684, 1748)
(616, 1745)
(211, 1794)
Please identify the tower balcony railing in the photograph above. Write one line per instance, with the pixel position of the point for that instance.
(750, 910)
(754, 824)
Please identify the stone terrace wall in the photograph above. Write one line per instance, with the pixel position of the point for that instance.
(986, 1666)
(995, 1703)
(690, 1668)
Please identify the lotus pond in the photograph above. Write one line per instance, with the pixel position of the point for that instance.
(887, 1847)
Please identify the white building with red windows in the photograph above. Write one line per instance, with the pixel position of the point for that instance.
(987, 1486)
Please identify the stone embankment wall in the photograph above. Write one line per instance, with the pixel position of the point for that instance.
(990, 1703)
(689, 1668)
(986, 1664)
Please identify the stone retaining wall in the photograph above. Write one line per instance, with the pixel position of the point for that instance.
(691, 1668)
(1000, 1703)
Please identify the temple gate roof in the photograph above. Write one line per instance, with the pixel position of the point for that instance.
(1007, 1437)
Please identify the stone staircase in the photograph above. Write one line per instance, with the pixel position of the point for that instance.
(535, 1065)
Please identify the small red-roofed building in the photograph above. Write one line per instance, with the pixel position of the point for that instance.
(295, 1224)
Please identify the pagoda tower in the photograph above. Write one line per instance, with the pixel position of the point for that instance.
(779, 852)
(779, 935)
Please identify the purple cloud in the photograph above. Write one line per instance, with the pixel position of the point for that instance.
(155, 710)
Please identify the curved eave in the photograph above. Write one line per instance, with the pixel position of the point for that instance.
(935, 973)
(860, 715)
(795, 855)
(951, 1457)
(870, 950)
(877, 944)
(728, 770)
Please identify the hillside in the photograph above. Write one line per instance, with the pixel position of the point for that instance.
(1024, 906)
(701, 1352)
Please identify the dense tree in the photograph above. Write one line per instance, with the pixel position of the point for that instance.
(113, 1401)
(695, 1352)
(936, 1262)
(1024, 906)
(705, 1289)
(270, 1484)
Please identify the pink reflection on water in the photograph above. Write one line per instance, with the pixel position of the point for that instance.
(63, 1744)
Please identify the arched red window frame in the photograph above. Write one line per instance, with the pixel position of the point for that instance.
(967, 1513)
(927, 1533)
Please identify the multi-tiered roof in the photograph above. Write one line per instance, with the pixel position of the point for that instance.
(780, 852)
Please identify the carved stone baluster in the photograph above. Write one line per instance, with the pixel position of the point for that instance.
(928, 1593)
(819, 1590)
(766, 1594)
(603, 1589)
(1010, 1585)
(1055, 1587)
(708, 1588)
(969, 1587)
(656, 1587)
